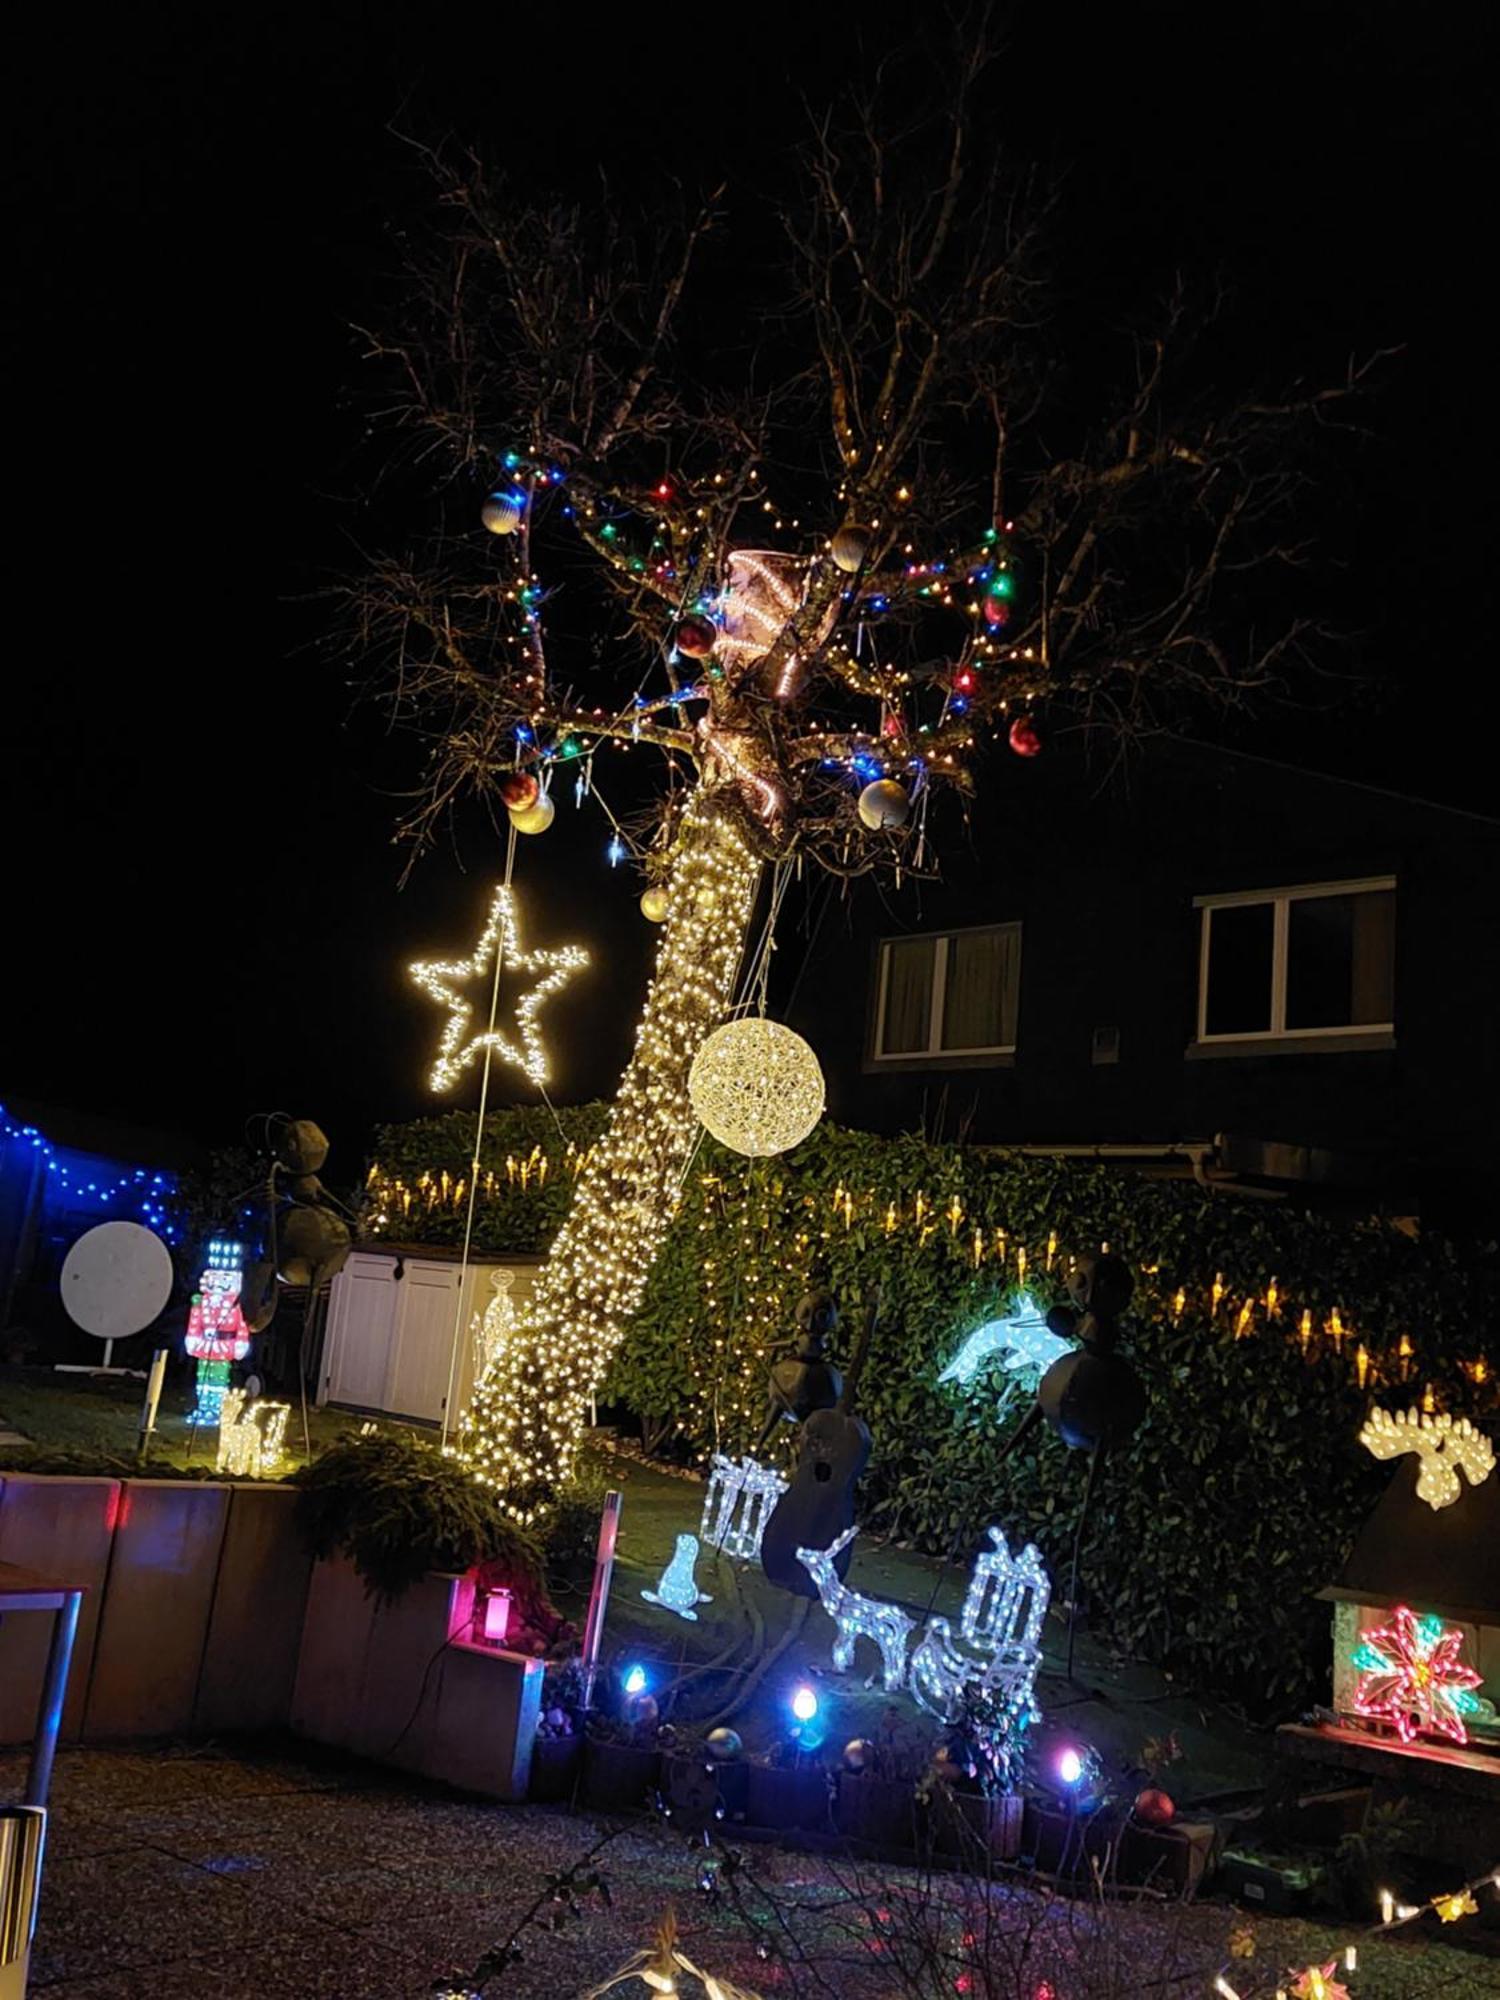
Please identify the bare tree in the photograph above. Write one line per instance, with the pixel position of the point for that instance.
(799, 508)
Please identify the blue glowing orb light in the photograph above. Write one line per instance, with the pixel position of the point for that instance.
(635, 1681)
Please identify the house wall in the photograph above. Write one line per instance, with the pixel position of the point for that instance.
(1102, 874)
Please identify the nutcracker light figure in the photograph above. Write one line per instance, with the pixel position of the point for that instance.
(217, 1334)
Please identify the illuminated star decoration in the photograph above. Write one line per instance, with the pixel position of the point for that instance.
(1024, 1340)
(458, 1048)
(1412, 1677)
(1444, 1446)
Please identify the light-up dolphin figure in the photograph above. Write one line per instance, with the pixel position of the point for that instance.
(1022, 1341)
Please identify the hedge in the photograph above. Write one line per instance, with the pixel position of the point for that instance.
(1253, 1325)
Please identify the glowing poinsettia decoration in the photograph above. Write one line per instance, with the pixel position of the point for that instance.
(1318, 1983)
(1411, 1676)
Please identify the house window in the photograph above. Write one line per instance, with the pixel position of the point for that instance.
(951, 995)
(1295, 964)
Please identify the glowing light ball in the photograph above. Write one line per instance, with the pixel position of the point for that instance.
(635, 1681)
(535, 818)
(501, 512)
(884, 804)
(1154, 1807)
(849, 547)
(519, 789)
(1023, 737)
(756, 1086)
(696, 637)
(654, 905)
(804, 1704)
(1070, 1766)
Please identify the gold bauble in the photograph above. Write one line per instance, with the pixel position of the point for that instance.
(535, 818)
(884, 804)
(655, 904)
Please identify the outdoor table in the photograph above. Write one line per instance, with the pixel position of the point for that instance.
(25, 1590)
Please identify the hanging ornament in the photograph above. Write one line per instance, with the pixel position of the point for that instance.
(654, 904)
(696, 637)
(502, 512)
(884, 804)
(996, 612)
(859, 1754)
(535, 818)
(724, 1745)
(850, 546)
(519, 789)
(1023, 737)
(756, 1086)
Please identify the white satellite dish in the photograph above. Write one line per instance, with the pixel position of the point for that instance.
(115, 1280)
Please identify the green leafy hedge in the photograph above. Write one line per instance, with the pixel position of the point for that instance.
(1238, 1498)
(417, 1189)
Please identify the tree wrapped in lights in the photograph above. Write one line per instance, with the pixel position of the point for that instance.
(843, 571)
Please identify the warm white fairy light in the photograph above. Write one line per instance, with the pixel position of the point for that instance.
(1444, 1446)
(252, 1435)
(441, 979)
(859, 1617)
(756, 1086)
(521, 1433)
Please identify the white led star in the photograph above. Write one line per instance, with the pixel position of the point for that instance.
(1444, 1446)
(458, 1048)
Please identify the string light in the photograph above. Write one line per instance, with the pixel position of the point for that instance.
(144, 1193)
(522, 1430)
(1444, 1447)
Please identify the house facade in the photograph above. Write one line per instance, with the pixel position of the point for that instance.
(1205, 963)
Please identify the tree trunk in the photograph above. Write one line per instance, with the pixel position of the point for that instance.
(522, 1430)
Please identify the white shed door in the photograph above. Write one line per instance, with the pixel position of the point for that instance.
(424, 1341)
(361, 1330)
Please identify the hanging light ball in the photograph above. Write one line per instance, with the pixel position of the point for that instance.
(535, 818)
(849, 547)
(884, 804)
(859, 1754)
(654, 904)
(756, 1086)
(696, 637)
(501, 512)
(519, 789)
(723, 1745)
(1023, 737)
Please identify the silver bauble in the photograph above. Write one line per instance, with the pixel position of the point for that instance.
(884, 804)
(501, 513)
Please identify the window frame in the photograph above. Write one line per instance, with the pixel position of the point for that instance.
(935, 1056)
(1278, 1034)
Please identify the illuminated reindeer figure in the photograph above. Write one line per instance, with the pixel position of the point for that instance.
(859, 1617)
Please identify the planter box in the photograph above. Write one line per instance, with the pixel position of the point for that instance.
(619, 1777)
(977, 1829)
(158, 1598)
(1177, 1858)
(255, 1625)
(882, 1812)
(404, 1684)
(555, 1764)
(62, 1527)
(788, 1799)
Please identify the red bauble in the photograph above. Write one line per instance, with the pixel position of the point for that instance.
(996, 612)
(1154, 1807)
(519, 789)
(696, 637)
(1023, 737)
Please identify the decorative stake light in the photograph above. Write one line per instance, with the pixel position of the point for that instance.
(458, 1048)
(756, 1086)
(1444, 1445)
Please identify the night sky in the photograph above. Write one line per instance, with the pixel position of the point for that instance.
(202, 911)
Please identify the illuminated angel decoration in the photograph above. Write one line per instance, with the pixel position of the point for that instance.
(1444, 1445)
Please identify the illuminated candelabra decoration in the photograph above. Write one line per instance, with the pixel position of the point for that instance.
(1411, 1676)
(1444, 1446)
(1022, 1340)
(252, 1436)
(738, 1504)
(1001, 1624)
(217, 1335)
(440, 980)
(859, 1617)
(678, 1590)
(496, 1326)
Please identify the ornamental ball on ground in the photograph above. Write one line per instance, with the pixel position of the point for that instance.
(696, 637)
(723, 1745)
(1023, 737)
(518, 789)
(756, 1086)
(859, 1754)
(502, 512)
(535, 818)
(1154, 1807)
(654, 904)
(884, 804)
